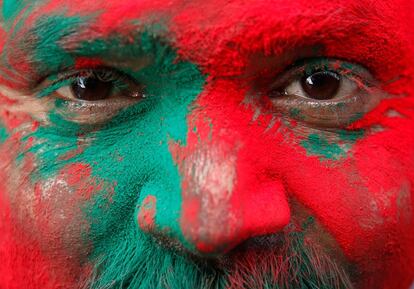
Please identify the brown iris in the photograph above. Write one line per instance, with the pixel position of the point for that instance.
(322, 85)
(91, 88)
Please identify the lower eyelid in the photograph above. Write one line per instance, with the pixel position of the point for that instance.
(92, 113)
(330, 113)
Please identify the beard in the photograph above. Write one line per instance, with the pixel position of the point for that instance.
(282, 261)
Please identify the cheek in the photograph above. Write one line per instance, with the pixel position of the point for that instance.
(364, 199)
(49, 208)
(47, 190)
(40, 221)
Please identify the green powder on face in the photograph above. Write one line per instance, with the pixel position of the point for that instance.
(351, 136)
(130, 154)
(318, 145)
(3, 134)
(11, 8)
(296, 113)
(141, 135)
(49, 32)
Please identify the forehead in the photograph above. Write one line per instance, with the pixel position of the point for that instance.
(231, 35)
(217, 5)
(213, 11)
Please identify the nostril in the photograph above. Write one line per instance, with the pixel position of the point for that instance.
(266, 242)
(214, 228)
(146, 213)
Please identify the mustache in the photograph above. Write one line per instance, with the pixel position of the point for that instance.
(281, 261)
(286, 261)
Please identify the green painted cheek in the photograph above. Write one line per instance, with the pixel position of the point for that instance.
(52, 143)
(147, 167)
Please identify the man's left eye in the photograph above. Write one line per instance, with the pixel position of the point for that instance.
(321, 85)
(325, 93)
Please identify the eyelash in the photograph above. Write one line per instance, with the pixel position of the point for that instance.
(317, 111)
(308, 66)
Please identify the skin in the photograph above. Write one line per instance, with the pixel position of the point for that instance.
(208, 161)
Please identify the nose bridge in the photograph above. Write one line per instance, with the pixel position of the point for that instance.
(211, 169)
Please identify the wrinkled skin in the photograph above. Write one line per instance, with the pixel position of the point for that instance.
(210, 161)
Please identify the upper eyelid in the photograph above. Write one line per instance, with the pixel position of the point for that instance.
(77, 72)
(48, 86)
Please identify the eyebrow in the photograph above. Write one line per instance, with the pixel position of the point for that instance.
(360, 34)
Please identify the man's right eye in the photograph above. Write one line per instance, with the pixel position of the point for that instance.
(99, 85)
(92, 96)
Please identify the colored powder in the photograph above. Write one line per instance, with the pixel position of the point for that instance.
(11, 8)
(140, 133)
(3, 134)
(318, 145)
(50, 56)
(140, 136)
(351, 135)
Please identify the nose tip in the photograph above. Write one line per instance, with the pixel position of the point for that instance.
(217, 229)
(212, 225)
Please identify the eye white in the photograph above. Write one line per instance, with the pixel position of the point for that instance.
(66, 92)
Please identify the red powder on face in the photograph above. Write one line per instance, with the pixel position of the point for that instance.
(146, 215)
(346, 196)
(88, 63)
(23, 261)
(360, 200)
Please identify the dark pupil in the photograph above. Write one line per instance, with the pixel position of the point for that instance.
(321, 85)
(91, 88)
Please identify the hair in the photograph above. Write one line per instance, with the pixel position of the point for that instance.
(287, 262)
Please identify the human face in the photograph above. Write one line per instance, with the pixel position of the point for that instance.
(206, 144)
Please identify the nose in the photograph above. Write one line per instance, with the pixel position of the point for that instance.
(223, 204)
(216, 226)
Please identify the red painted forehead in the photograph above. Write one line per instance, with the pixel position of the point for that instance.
(229, 38)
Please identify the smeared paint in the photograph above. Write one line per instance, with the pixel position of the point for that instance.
(11, 8)
(48, 32)
(318, 145)
(155, 147)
